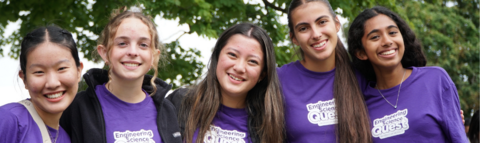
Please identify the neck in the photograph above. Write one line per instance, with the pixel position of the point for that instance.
(128, 91)
(49, 119)
(237, 102)
(319, 65)
(388, 78)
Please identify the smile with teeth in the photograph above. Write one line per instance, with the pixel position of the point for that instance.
(320, 44)
(234, 78)
(54, 95)
(131, 64)
(388, 52)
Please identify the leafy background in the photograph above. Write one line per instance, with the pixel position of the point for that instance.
(448, 29)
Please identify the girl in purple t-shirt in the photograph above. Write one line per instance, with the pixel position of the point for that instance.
(407, 102)
(123, 104)
(50, 70)
(239, 100)
(323, 101)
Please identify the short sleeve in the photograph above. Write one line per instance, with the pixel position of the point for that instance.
(452, 121)
(9, 128)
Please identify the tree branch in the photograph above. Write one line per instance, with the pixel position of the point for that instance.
(274, 7)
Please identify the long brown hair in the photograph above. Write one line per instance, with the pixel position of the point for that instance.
(264, 101)
(108, 34)
(353, 121)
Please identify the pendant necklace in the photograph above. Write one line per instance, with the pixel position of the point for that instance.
(376, 86)
(56, 137)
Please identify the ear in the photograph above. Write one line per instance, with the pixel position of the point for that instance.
(79, 71)
(361, 55)
(294, 40)
(22, 76)
(338, 25)
(102, 51)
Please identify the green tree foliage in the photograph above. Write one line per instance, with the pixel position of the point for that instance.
(448, 34)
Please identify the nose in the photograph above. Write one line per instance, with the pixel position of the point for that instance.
(239, 67)
(387, 41)
(132, 50)
(317, 33)
(53, 81)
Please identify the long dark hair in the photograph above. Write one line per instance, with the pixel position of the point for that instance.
(413, 55)
(264, 101)
(474, 131)
(353, 120)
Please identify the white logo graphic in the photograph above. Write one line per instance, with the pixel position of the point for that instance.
(322, 113)
(142, 136)
(218, 135)
(390, 125)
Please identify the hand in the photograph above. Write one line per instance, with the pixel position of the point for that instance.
(463, 118)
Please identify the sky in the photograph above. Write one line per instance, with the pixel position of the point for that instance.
(12, 86)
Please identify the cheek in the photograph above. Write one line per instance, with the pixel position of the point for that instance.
(254, 72)
(69, 80)
(35, 84)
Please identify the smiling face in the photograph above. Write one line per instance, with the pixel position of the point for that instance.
(383, 43)
(239, 66)
(315, 31)
(51, 77)
(131, 54)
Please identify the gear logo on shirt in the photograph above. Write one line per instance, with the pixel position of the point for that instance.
(142, 136)
(218, 135)
(322, 113)
(390, 125)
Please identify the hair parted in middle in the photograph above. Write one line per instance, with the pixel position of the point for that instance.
(264, 102)
(413, 55)
(353, 123)
(108, 34)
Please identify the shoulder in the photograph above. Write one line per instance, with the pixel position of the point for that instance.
(162, 86)
(12, 112)
(434, 74)
(177, 96)
(285, 69)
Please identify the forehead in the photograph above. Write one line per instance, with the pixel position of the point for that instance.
(244, 44)
(379, 22)
(132, 27)
(309, 12)
(47, 54)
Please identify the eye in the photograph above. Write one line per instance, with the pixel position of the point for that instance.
(144, 45)
(393, 33)
(301, 29)
(62, 68)
(322, 22)
(374, 37)
(253, 62)
(38, 72)
(233, 55)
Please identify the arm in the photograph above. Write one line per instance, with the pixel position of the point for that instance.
(452, 123)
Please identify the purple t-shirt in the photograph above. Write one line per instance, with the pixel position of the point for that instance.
(128, 122)
(310, 114)
(228, 126)
(428, 109)
(18, 126)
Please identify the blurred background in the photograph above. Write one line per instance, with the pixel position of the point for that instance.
(448, 30)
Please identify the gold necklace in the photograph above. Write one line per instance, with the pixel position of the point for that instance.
(398, 95)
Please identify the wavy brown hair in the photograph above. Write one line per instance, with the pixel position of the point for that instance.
(413, 55)
(108, 34)
(264, 101)
(353, 121)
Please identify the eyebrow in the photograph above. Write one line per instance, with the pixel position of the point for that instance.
(251, 55)
(376, 30)
(57, 63)
(125, 37)
(303, 23)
